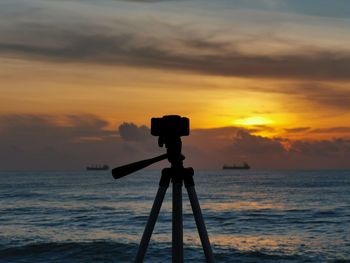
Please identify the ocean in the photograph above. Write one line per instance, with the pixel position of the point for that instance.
(251, 216)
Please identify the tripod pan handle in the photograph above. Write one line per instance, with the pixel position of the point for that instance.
(133, 167)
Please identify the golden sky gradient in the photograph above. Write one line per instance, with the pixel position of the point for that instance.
(120, 94)
(278, 69)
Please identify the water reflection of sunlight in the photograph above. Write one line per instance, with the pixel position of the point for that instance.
(276, 243)
(242, 205)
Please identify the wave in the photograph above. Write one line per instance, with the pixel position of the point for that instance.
(110, 251)
(98, 251)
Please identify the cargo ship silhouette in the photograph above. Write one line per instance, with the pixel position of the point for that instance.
(97, 167)
(245, 166)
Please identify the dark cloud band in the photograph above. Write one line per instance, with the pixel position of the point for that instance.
(36, 41)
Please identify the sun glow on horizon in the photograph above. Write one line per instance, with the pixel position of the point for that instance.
(252, 121)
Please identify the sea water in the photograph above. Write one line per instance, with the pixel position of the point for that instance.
(251, 216)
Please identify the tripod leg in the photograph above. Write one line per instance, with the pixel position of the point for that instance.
(163, 186)
(197, 213)
(177, 237)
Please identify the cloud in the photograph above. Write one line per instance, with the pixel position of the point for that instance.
(40, 142)
(322, 8)
(344, 129)
(317, 93)
(183, 51)
(252, 144)
(145, 1)
(131, 132)
(324, 94)
(297, 129)
(285, 153)
(318, 8)
(323, 148)
(37, 142)
(213, 147)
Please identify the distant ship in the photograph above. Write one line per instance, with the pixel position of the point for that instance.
(97, 167)
(245, 166)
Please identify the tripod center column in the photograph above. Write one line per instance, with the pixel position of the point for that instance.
(174, 145)
(177, 235)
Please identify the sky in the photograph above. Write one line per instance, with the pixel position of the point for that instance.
(267, 82)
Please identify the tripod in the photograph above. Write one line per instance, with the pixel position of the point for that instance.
(178, 175)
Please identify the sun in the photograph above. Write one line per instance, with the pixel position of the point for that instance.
(253, 121)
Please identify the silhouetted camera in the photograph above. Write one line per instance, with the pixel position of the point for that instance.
(170, 126)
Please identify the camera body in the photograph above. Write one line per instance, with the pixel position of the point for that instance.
(170, 126)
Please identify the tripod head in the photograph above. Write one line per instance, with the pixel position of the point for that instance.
(169, 128)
